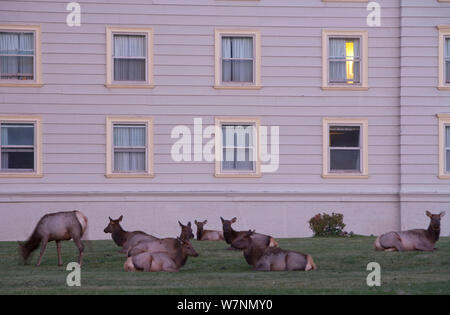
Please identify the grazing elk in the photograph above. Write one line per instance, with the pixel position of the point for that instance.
(417, 239)
(119, 235)
(207, 235)
(186, 231)
(161, 261)
(230, 234)
(59, 226)
(265, 258)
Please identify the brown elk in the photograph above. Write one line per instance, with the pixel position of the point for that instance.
(119, 235)
(230, 234)
(186, 231)
(59, 226)
(161, 261)
(417, 239)
(265, 258)
(207, 235)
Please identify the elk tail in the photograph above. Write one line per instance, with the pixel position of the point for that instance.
(82, 219)
(310, 265)
(129, 266)
(273, 242)
(377, 244)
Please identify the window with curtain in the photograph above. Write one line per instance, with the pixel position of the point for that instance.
(447, 149)
(238, 148)
(237, 59)
(17, 147)
(345, 149)
(130, 57)
(17, 55)
(130, 148)
(344, 60)
(447, 60)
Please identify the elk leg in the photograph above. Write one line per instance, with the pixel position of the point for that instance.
(424, 248)
(43, 247)
(58, 249)
(80, 246)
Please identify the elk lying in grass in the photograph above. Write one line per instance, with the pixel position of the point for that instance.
(207, 235)
(119, 235)
(161, 261)
(418, 239)
(265, 258)
(186, 231)
(230, 234)
(60, 226)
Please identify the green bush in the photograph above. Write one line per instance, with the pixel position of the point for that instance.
(327, 225)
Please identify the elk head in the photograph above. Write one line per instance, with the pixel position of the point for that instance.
(186, 231)
(113, 225)
(187, 248)
(244, 241)
(435, 220)
(226, 224)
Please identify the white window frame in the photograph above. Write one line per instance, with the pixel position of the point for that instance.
(37, 74)
(344, 122)
(444, 121)
(110, 148)
(149, 61)
(444, 33)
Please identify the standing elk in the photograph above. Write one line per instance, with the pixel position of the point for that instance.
(265, 258)
(230, 234)
(119, 235)
(207, 235)
(161, 261)
(59, 226)
(417, 239)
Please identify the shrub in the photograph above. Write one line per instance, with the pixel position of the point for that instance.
(327, 225)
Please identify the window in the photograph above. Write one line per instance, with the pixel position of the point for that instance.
(129, 58)
(444, 146)
(345, 148)
(345, 62)
(237, 149)
(237, 59)
(129, 146)
(19, 147)
(20, 55)
(444, 57)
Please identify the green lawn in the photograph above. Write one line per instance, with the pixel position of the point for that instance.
(341, 270)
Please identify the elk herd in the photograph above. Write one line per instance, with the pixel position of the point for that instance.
(145, 252)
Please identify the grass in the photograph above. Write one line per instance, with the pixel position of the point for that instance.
(341, 270)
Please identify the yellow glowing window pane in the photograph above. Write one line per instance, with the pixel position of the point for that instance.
(350, 55)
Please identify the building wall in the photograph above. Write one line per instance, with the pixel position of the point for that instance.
(74, 103)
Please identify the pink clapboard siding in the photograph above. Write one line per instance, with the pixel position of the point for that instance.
(400, 105)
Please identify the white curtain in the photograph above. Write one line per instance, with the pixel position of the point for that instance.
(338, 59)
(132, 140)
(5, 161)
(447, 60)
(12, 135)
(239, 152)
(447, 129)
(237, 59)
(129, 57)
(21, 46)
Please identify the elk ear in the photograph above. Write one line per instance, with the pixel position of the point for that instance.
(206, 221)
(442, 214)
(428, 213)
(110, 219)
(222, 219)
(120, 218)
(189, 224)
(195, 221)
(181, 224)
(233, 220)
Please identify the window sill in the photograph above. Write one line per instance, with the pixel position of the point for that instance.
(444, 176)
(237, 175)
(129, 86)
(345, 176)
(345, 88)
(444, 88)
(130, 175)
(21, 175)
(7, 84)
(237, 87)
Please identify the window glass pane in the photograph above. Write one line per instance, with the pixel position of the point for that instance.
(129, 161)
(238, 154)
(344, 136)
(447, 136)
(447, 71)
(237, 70)
(447, 47)
(129, 135)
(344, 65)
(233, 49)
(129, 69)
(17, 134)
(16, 67)
(344, 160)
(16, 43)
(447, 156)
(237, 47)
(129, 46)
(17, 160)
